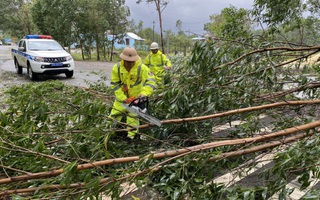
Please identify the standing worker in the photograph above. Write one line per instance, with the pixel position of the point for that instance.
(158, 63)
(130, 79)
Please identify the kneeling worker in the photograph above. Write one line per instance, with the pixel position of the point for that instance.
(130, 79)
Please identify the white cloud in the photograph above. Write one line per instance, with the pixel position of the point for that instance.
(193, 13)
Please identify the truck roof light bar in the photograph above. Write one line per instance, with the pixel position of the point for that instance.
(38, 37)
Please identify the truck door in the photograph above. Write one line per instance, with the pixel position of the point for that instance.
(22, 58)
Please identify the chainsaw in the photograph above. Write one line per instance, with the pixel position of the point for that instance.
(138, 107)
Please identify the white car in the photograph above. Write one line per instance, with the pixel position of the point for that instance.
(41, 54)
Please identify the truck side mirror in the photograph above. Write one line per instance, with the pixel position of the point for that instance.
(21, 48)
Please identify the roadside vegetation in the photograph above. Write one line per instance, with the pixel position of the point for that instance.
(52, 142)
(76, 54)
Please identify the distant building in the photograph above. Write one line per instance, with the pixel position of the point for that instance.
(198, 39)
(205, 37)
(129, 39)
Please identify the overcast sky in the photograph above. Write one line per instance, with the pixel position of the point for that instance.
(192, 13)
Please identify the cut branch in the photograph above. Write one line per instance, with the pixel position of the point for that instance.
(170, 153)
(179, 153)
(233, 112)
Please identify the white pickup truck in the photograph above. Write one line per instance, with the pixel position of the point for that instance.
(41, 54)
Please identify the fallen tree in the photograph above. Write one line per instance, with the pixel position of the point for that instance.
(52, 141)
(172, 153)
(177, 152)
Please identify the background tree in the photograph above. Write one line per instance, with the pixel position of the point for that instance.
(140, 26)
(132, 27)
(44, 15)
(160, 6)
(148, 34)
(117, 18)
(216, 20)
(276, 13)
(15, 17)
(232, 23)
(169, 36)
(314, 7)
(306, 34)
(180, 42)
(81, 30)
(179, 26)
(312, 31)
(77, 21)
(98, 21)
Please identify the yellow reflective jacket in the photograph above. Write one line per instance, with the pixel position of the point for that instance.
(156, 62)
(139, 81)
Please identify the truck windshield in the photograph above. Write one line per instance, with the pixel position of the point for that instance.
(44, 45)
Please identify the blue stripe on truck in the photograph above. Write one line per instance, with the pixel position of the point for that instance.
(22, 53)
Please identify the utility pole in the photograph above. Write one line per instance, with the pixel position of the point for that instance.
(168, 46)
(153, 32)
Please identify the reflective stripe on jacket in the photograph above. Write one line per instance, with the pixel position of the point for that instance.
(139, 81)
(156, 62)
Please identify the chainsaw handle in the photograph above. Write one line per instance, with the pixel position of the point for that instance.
(141, 100)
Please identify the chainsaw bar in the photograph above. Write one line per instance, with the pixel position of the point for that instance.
(145, 116)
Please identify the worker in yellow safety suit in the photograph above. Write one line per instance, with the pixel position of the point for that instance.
(158, 63)
(130, 79)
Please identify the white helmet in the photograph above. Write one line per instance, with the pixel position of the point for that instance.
(154, 45)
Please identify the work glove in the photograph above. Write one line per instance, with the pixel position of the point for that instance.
(129, 100)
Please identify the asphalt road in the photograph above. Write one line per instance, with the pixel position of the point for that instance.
(85, 72)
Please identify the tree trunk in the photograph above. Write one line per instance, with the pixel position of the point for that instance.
(97, 44)
(157, 2)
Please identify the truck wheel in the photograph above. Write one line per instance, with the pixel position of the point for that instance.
(17, 66)
(31, 74)
(69, 74)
